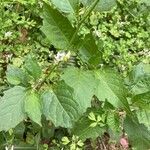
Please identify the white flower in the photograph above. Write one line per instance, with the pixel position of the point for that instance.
(8, 34)
(12, 147)
(41, 4)
(97, 33)
(67, 56)
(62, 56)
(101, 65)
(6, 148)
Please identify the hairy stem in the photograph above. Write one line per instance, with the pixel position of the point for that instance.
(89, 10)
(48, 72)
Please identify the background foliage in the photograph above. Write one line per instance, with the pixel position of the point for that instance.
(51, 99)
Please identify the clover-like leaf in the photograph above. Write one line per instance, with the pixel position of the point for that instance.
(85, 128)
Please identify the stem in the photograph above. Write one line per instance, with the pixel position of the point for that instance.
(40, 83)
(5, 137)
(17, 7)
(89, 10)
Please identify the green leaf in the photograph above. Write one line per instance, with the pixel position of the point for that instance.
(60, 107)
(33, 107)
(91, 116)
(59, 31)
(103, 5)
(140, 79)
(141, 86)
(139, 71)
(16, 76)
(147, 2)
(19, 131)
(83, 129)
(33, 67)
(113, 122)
(110, 87)
(89, 51)
(94, 124)
(142, 100)
(138, 134)
(65, 140)
(2, 141)
(57, 28)
(12, 107)
(66, 6)
(83, 83)
(144, 117)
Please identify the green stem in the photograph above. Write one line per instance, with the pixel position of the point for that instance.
(5, 137)
(40, 83)
(89, 10)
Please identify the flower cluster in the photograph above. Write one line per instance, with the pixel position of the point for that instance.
(62, 56)
(7, 148)
(8, 34)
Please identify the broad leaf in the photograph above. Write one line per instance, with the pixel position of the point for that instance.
(113, 122)
(103, 5)
(139, 71)
(142, 100)
(83, 129)
(83, 83)
(19, 131)
(16, 76)
(110, 87)
(140, 79)
(60, 107)
(66, 6)
(89, 51)
(33, 67)
(33, 107)
(141, 86)
(59, 31)
(147, 2)
(144, 117)
(138, 134)
(12, 108)
(57, 28)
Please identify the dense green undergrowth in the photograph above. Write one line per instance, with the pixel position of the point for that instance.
(74, 74)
